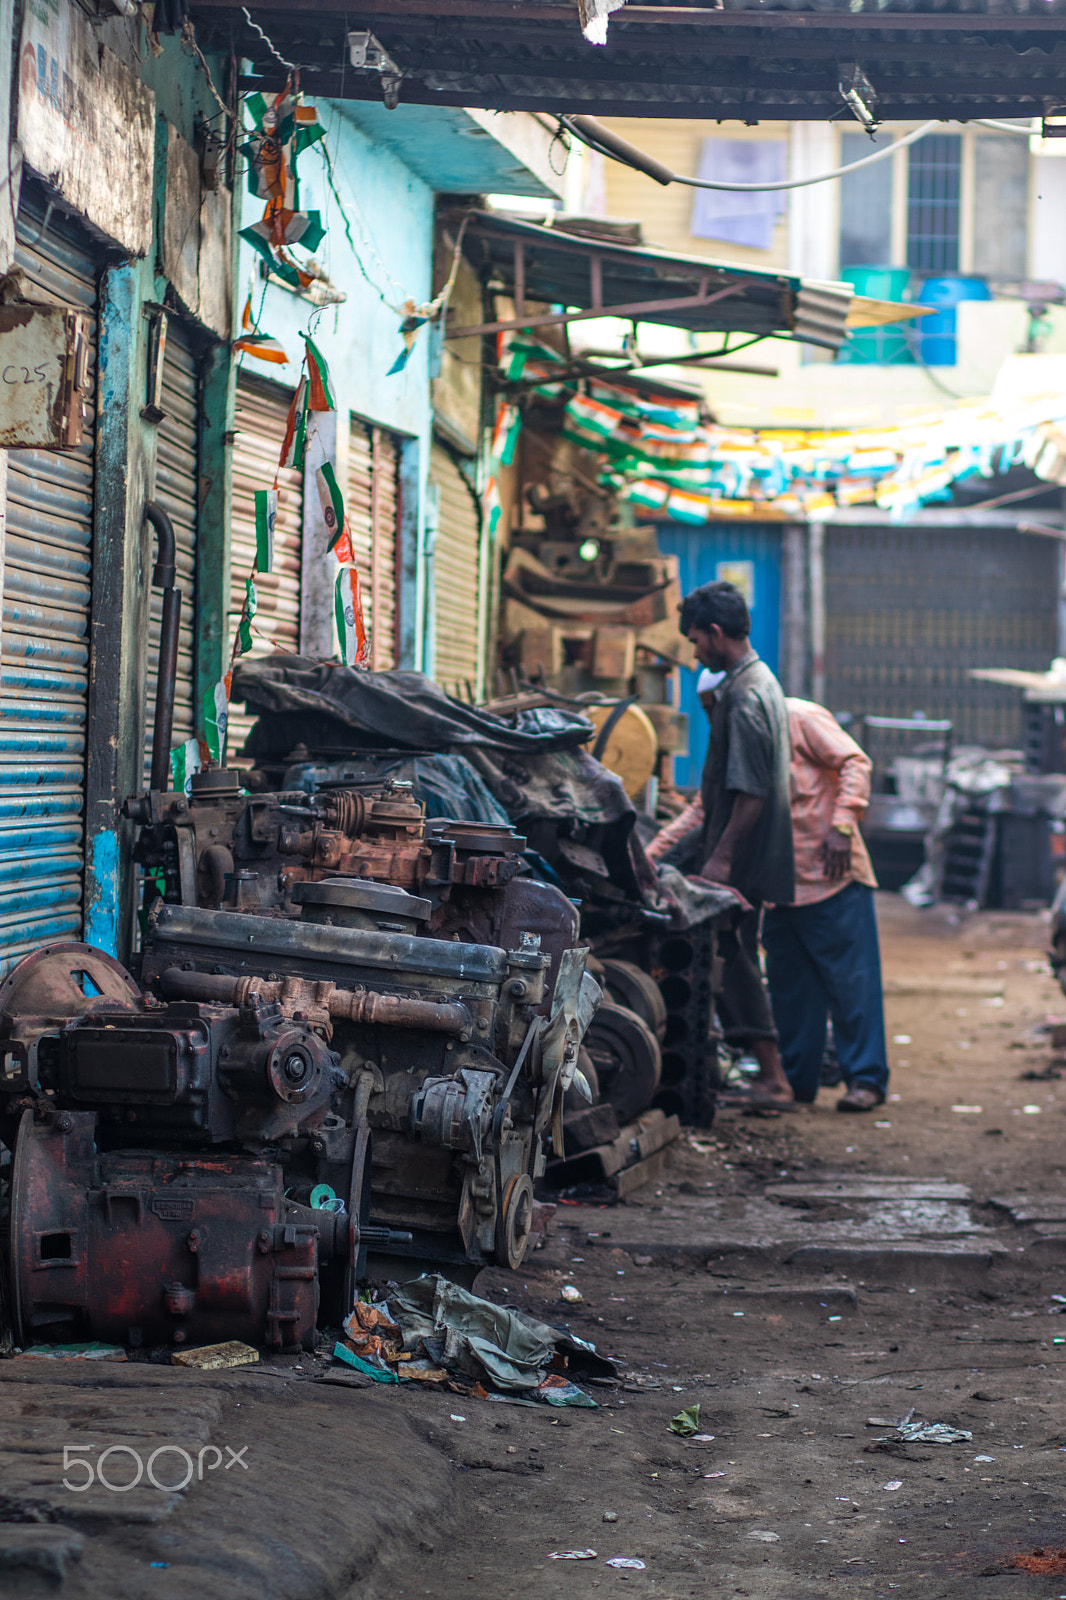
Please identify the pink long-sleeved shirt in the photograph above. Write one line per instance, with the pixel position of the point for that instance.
(830, 779)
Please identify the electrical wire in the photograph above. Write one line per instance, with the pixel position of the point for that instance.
(756, 188)
(664, 176)
(274, 51)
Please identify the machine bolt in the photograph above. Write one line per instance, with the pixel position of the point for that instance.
(193, 1241)
(318, 1146)
(64, 1122)
(264, 1242)
(518, 988)
(482, 1025)
(295, 1068)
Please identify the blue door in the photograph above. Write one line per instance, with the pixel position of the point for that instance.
(750, 557)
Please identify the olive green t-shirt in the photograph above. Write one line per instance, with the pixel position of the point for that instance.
(749, 754)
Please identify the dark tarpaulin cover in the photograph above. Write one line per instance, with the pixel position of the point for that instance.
(324, 704)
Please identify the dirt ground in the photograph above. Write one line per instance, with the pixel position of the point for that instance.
(807, 1280)
(795, 1496)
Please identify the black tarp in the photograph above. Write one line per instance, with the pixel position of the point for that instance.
(323, 705)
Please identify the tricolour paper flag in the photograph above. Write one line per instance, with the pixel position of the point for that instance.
(332, 507)
(348, 613)
(295, 440)
(505, 433)
(184, 761)
(319, 390)
(216, 718)
(261, 345)
(266, 512)
(251, 605)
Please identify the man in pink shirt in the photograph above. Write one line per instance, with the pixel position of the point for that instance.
(822, 953)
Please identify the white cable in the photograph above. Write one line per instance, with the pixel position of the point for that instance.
(273, 50)
(1003, 127)
(823, 177)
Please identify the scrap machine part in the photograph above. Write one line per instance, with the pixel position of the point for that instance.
(146, 1247)
(47, 989)
(630, 986)
(627, 1059)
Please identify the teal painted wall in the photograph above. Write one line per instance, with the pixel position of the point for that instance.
(390, 214)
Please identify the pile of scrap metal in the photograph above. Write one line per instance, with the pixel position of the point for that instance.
(650, 1051)
(352, 1030)
(590, 602)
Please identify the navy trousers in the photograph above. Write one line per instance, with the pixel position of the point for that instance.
(823, 961)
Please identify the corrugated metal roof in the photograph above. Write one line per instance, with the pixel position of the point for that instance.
(746, 60)
(562, 269)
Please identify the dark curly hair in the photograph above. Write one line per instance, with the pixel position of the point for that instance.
(718, 604)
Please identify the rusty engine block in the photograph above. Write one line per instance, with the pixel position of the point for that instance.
(354, 1030)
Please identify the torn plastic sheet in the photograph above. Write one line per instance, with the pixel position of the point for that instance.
(933, 1433)
(488, 1343)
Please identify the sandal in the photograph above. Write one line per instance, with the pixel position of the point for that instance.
(860, 1099)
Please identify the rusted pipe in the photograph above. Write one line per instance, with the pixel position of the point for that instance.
(164, 576)
(366, 1006)
(396, 1011)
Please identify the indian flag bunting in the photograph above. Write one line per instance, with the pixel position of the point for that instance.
(260, 345)
(493, 507)
(647, 493)
(348, 613)
(319, 390)
(295, 440)
(332, 508)
(216, 718)
(505, 434)
(251, 605)
(685, 507)
(266, 512)
(184, 761)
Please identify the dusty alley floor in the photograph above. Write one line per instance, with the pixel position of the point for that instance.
(795, 1276)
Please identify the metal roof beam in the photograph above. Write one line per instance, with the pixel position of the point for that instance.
(637, 16)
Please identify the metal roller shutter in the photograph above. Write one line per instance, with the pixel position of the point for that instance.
(910, 610)
(372, 505)
(456, 577)
(176, 483)
(262, 409)
(44, 665)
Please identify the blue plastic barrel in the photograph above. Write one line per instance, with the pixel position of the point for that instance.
(936, 334)
(883, 346)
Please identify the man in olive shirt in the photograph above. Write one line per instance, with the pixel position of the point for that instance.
(747, 832)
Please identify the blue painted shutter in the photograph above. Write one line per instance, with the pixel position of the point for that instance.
(44, 651)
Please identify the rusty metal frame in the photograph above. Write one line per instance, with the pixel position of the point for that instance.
(636, 309)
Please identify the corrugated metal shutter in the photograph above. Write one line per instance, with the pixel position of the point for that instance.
(44, 667)
(176, 490)
(262, 409)
(910, 610)
(372, 505)
(456, 577)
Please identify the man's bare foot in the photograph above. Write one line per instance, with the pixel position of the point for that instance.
(770, 1083)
